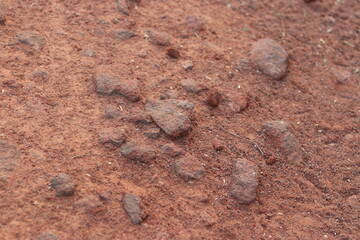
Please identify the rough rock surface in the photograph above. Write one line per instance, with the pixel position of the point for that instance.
(47, 236)
(138, 152)
(115, 136)
(189, 168)
(270, 57)
(132, 208)
(63, 185)
(89, 204)
(245, 180)
(158, 38)
(31, 38)
(9, 154)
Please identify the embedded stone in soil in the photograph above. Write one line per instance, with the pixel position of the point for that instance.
(112, 112)
(123, 6)
(63, 185)
(195, 23)
(158, 38)
(114, 136)
(190, 85)
(233, 102)
(138, 152)
(31, 38)
(214, 98)
(189, 168)
(171, 150)
(245, 180)
(139, 116)
(9, 154)
(171, 115)
(89, 204)
(132, 208)
(47, 236)
(187, 65)
(278, 134)
(153, 133)
(123, 34)
(270, 57)
(108, 83)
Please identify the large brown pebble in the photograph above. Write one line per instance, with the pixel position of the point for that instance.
(31, 38)
(63, 185)
(245, 180)
(214, 98)
(114, 136)
(138, 152)
(189, 168)
(89, 204)
(133, 208)
(270, 57)
(158, 38)
(123, 6)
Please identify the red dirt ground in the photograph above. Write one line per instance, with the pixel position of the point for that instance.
(55, 118)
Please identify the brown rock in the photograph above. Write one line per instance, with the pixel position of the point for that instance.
(63, 185)
(114, 136)
(2, 19)
(245, 180)
(133, 208)
(173, 53)
(214, 98)
(171, 115)
(89, 204)
(9, 154)
(123, 6)
(112, 112)
(108, 82)
(190, 85)
(153, 133)
(158, 38)
(218, 145)
(278, 134)
(138, 152)
(171, 150)
(234, 102)
(341, 75)
(139, 116)
(195, 23)
(270, 57)
(189, 168)
(123, 34)
(187, 65)
(31, 38)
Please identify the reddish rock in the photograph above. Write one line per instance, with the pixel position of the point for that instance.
(2, 19)
(31, 38)
(218, 145)
(123, 6)
(123, 34)
(138, 152)
(270, 57)
(139, 116)
(63, 185)
(9, 154)
(214, 98)
(245, 180)
(171, 150)
(278, 134)
(114, 136)
(173, 53)
(133, 209)
(143, 53)
(234, 102)
(190, 85)
(153, 133)
(187, 65)
(108, 83)
(271, 160)
(158, 38)
(242, 65)
(341, 75)
(112, 112)
(189, 168)
(89, 204)
(195, 23)
(171, 115)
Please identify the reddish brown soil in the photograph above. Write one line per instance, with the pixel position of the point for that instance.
(55, 119)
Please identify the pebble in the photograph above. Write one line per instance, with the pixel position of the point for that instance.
(139, 116)
(245, 180)
(31, 38)
(341, 75)
(234, 102)
(9, 154)
(143, 53)
(278, 134)
(47, 236)
(171, 150)
(123, 34)
(192, 86)
(214, 98)
(132, 208)
(189, 168)
(112, 112)
(89, 204)
(173, 53)
(242, 65)
(158, 38)
(2, 19)
(136, 151)
(39, 75)
(114, 136)
(63, 185)
(123, 7)
(218, 145)
(153, 133)
(270, 57)
(173, 116)
(187, 65)
(108, 83)
(195, 23)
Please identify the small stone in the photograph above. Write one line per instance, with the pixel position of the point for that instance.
(234, 102)
(9, 154)
(242, 65)
(189, 168)
(132, 208)
(341, 75)
(47, 236)
(270, 57)
(31, 38)
(123, 34)
(114, 136)
(190, 85)
(89, 204)
(39, 75)
(2, 19)
(143, 53)
(171, 150)
(187, 65)
(158, 38)
(195, 23)
(63, 185)
(218, 145)
(37, 155)
(245, 180)
(173, 53)
(171, 115)
(278, 133)
(112, 112)
(153, 133)
(139, 116)
(123, 7)
(271, 160)
(138, 152)
(88, 52)
(206, 219)
(214, 98)
(109, 83)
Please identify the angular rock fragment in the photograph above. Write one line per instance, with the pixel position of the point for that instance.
(189, 168)
(63, 185)
(133, 208)
(158, 38)
(138, 152)
(31, 38)
(123, 34)
(190, 85)
(9, 154)
(114, 136)
(89, 204)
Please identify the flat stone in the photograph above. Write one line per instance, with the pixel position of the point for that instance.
(189, 168)
(187, 65)
(63, 185)
(123, 7)
(171, 115)
(114, 136)
(89, 204)
(9, 154)
(245, 180)
(138, 152)
(270, 57)
(123, 34)
(139, 116)
(132, 208)
(31, 38)
(190, 85)
(171, 150)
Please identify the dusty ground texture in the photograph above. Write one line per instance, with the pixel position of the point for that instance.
(52, 115)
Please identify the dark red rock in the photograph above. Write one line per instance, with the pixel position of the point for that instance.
(218, 145)
(31, 38)
(245, 180)
(214, 98)
(108, 83)
(234, 102)
(138, 152)
(114, 136)
(173, 53)
(2, 19)
(171, 115)
(189, 168)
(270, 57)
(133, 209)
(63, 185)
(158, 38)
(278, 134)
